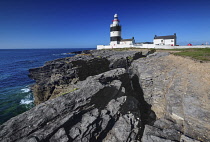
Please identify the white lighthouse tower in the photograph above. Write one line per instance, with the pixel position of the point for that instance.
(115, 32)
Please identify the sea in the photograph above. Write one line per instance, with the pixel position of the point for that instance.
(16, 96)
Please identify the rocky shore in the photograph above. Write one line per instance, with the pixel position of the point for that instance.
(110, 96)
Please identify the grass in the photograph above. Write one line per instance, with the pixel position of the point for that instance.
(84, 54)
(152, 50)
(130, 58)
(61, 94)
(202, 54)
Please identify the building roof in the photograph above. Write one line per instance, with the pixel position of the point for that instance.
(144, 42)
(165, 37)
(127, 39)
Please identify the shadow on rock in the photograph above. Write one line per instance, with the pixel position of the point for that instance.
(148, 116)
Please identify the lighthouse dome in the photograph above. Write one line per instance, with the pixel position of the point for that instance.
(115, 15)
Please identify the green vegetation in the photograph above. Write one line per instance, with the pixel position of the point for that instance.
(202, 54)
(130, 58)
(84, 54)
(61, 94)
(153, 50)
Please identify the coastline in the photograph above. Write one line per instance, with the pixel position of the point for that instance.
(112, 95)
(15, 98)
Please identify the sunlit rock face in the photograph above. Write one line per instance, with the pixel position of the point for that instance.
(178, 91)
(114, 96)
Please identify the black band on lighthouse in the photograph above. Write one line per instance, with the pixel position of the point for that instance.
(115, 28)
(115, 38)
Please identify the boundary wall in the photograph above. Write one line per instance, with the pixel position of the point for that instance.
(150, 46)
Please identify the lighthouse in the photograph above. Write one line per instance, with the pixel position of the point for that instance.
(115, 31)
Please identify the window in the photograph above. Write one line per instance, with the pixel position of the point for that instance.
(172, 40)
(161, 40)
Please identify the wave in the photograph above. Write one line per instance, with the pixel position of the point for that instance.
(60, 54)
(25, 90)
(27, 100)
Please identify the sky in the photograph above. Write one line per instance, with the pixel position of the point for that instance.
(86, 23)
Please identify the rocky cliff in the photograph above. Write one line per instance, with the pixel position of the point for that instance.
(59, 76)
(116, 96)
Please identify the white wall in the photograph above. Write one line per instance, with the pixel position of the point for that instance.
(164, 41)
(144, 46)
(113, 43)
(103, 47)
(126, 42)
(180, 47)
(157, 41)
(123, 46)
(150, 46)
(169, 42)
(113, 46)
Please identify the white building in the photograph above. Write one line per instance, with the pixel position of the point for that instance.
(116, 40)
(169, 40)
(128, 41)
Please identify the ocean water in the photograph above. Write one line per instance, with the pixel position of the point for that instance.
(15, 94)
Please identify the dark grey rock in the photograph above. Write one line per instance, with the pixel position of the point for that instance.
(56, 77)
(59, 136)
(167, 134)
(148, 100)
(103, 108)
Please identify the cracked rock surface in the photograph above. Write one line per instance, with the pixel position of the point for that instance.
(59, 76)
(115, 96)
(177, 89)
(102, 109)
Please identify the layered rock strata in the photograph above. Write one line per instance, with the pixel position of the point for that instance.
(103, 108)
(178, 91)
(58, 76)
(116, 96)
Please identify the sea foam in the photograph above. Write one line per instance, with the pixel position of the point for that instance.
(25, 101)
(60, 54)
(25, 90)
